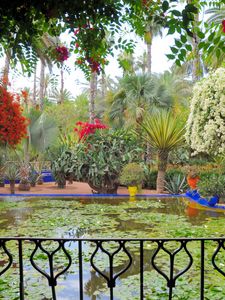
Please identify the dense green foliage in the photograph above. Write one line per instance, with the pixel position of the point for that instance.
(23, 23)
(100, 158)
(132, 174)
(213, 184)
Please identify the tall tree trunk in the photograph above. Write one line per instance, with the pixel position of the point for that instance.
(103, 85)
(149, 71)
(6, 68)
(93, 94)
(61, 100)
(42, 84)
(149, 50)
(162, 164)
(34, 100)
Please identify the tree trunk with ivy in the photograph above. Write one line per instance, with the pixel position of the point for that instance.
(93, 93)
(162, 164)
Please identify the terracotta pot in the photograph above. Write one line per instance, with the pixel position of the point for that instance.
(24, 186)
(192, 182)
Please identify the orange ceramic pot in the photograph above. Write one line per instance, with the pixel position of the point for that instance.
(192, 182)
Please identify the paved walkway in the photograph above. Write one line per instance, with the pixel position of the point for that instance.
(75, 188)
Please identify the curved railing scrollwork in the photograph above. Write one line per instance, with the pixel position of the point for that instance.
(171, 278)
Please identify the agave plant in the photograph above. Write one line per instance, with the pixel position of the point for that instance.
(176, 184)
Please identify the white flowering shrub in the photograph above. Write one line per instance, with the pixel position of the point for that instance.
(206, 122)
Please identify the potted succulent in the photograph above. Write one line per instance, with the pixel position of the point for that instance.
(33, 177)
(24, 172)
(212, 187)
(12, 174)
(132, 176)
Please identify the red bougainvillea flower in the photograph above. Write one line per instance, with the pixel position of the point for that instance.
(13, 125)
(86, 128)
(62, 53)
(223, 26)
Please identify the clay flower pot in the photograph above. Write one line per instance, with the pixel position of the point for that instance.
(192, 182)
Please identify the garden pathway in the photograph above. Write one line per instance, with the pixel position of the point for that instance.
(75, 188)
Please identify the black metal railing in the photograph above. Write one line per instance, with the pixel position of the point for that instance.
(110, 274)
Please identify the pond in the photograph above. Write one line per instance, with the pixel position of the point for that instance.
(108, 218)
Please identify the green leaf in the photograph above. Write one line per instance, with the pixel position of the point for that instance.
(170, 56)
(188, 47)
(183, 38)
(211, 36)
(201, 45)
(178, 43)
(165, 6)
(171, 30)
(174, 50)
(176, 13)
(218, 52)
(200, 34)
(178, 63)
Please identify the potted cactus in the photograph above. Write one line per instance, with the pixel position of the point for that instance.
(132, 176)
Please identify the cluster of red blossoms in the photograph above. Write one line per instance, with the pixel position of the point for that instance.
(86, 128)
(223, 26)
(62, 53)
(13, 126)
(93, 62)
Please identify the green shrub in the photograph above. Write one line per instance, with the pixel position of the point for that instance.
(132, 175)
(150, 177)
(212, 185)
(100, 159)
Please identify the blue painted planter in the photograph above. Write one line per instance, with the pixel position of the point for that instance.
(46, 174)
(194, 194)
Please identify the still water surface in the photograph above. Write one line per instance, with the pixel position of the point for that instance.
(98, 218)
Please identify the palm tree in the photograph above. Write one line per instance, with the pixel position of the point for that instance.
(164, 134)
(141, 63)
(137, 95)
(153, 28)
(177, 86)
(41, 47)
(126, 62)
(217, 15)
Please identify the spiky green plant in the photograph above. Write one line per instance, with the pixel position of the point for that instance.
(164, 133)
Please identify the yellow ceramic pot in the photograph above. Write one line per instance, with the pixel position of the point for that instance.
(132, 190)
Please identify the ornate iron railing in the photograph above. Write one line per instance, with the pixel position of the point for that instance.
(110, 274)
